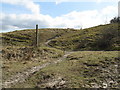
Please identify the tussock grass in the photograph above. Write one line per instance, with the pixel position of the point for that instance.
(88, 69)
(27, 37)
(94, 65)
(17, 59)
(103, 37)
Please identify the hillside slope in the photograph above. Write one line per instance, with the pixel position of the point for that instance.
(50, 65)
(103, 37)
(82, 69)
(27, 37)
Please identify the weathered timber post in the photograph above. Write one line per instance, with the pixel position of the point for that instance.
(36, 35)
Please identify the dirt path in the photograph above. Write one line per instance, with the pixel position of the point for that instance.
(21, 77)
(46, 43)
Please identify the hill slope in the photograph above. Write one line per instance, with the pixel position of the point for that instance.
(103, 37)
(69, 69)
(82, 69)
(27, 37)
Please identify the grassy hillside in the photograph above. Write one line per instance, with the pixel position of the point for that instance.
(27, 37)
(17, 59)
(72, 63)
(103, 37)
(89, 69)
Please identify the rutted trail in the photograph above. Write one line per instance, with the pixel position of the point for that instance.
(46, 43)
(21, 77)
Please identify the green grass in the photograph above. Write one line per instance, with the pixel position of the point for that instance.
(80, 69)
(94, 63)
(27, 37)
(103, 37)
(23, 58)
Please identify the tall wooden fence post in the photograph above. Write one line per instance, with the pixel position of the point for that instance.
(36, 35)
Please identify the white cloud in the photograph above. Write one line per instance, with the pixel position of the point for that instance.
(24, 21)
(86, 19)
(99, 1)
(29, 4)
(73, 19)
(61, 1)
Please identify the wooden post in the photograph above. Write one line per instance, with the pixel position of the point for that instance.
(36, 35)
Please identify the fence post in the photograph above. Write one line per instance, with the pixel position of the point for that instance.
(36, 35)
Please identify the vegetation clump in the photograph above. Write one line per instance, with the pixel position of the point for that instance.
(105, 37)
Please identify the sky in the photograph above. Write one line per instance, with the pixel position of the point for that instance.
(25, 14)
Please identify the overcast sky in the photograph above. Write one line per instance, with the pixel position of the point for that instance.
(24, 14)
